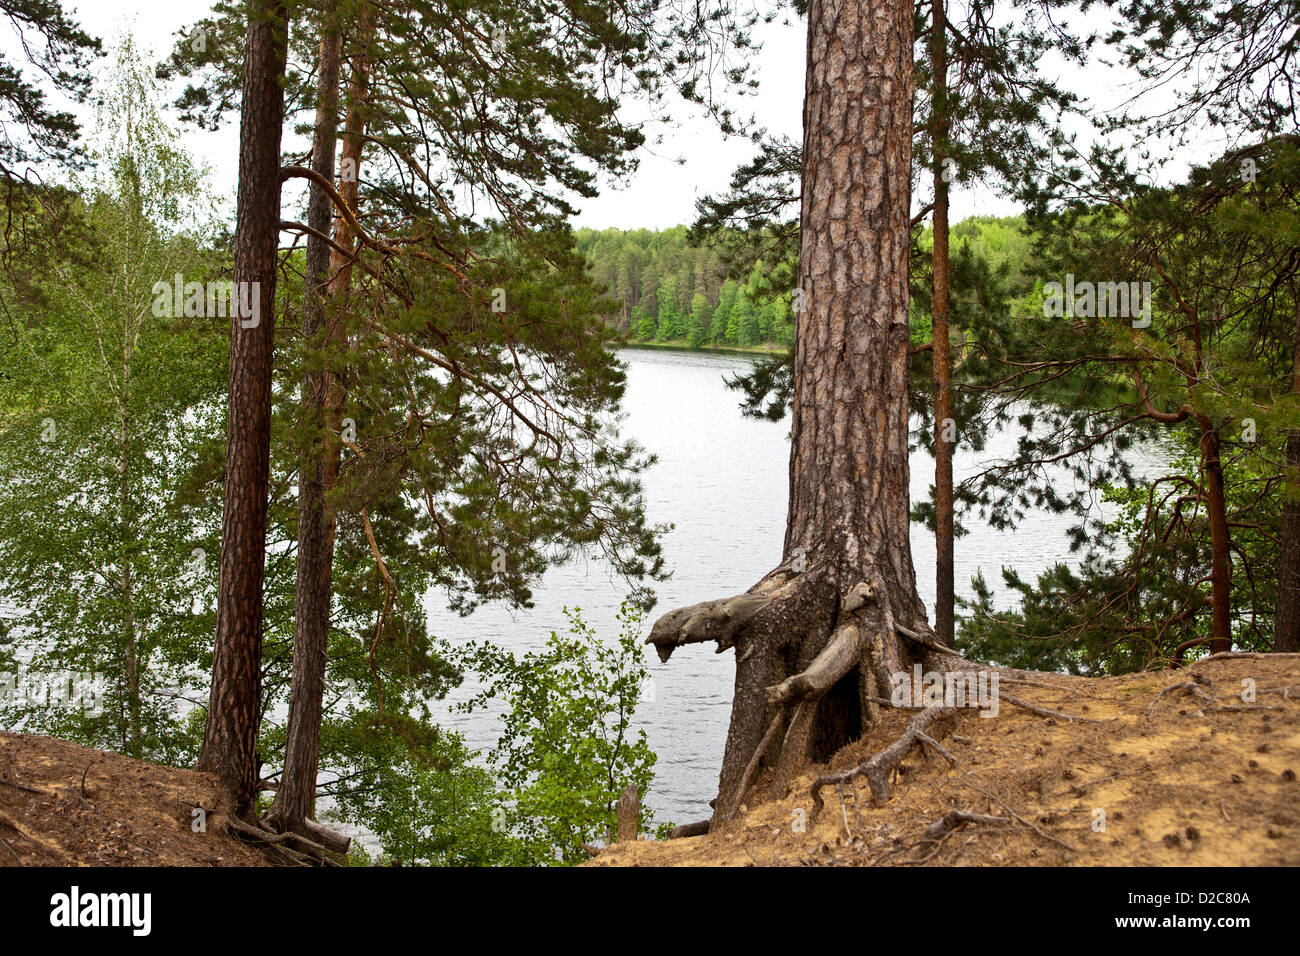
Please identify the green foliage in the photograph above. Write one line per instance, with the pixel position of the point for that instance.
(104, 409)
(568, 749)
(111, 527)
(1209, 366)
(61, 53)
(431, 807)
(669, 290)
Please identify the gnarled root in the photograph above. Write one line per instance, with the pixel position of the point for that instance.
(723, 620)
(879, 767)
(311, 831)
(314, 851)
(806, 621)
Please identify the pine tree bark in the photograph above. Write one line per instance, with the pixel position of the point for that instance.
(295, 799)
(819, 636)
(355, 127)
(1220, 541)
(1286, 624)
(941, 351)
(229, 748)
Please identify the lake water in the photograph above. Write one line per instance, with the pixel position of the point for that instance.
(721, 480)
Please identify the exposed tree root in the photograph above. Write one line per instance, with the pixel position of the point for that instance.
(14, 852)
(310, 832)
(1006, 806)
(1240, 708)
(780, 691)
(761, 749)
(25, 788)
(330, 839)
(1222, 654)
(924, 641)
(879, 767)
(958, 818)
(937, 834)
(319, 853)
(720, 620)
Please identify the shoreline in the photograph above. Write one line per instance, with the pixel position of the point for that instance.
(703, 349)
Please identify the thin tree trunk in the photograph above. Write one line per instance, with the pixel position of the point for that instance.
(818, 636)
(943, 422)
(1220, 543)
(130, 650)
(1286, 626)
(354, 131)
(295, 799)
(229, 748)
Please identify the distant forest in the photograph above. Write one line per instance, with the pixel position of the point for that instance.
(667, 290)
(671, 291)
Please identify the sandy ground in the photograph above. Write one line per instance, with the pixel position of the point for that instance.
(127, 812)
(1144, 778)
(1177, 779)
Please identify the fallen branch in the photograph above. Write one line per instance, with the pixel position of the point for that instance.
(1186, 687)
(957, 818)
(25, 788)
(1045, 712)
(699, 828)
(1007, 807)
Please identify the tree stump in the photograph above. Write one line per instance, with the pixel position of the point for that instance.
(628, 808)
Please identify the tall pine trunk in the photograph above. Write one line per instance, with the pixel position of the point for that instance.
(1220, 541)
(944, 426)
(819, 635)
(229, 748)
(295, 799)
(354, 139)
(1286, 626)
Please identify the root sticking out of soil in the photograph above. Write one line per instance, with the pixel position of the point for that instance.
(1196, 766)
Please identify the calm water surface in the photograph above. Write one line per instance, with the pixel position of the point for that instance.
(721, 480)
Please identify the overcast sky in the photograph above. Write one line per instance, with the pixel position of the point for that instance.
(663, 191)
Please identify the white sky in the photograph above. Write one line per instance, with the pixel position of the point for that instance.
(663, 190)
